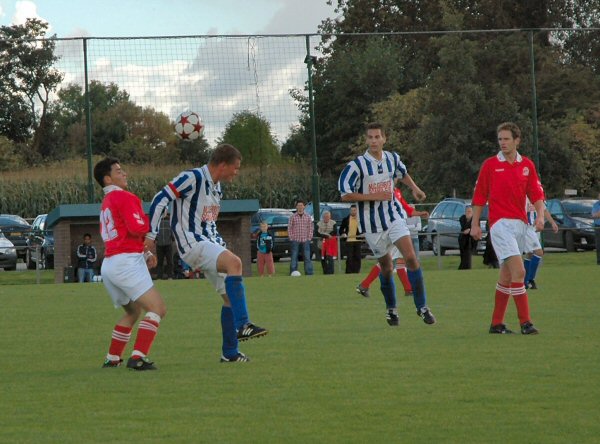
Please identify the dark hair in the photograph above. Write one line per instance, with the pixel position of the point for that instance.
(353, 206)
(376, 125)
(87, 235)
(102, 169)
(300, 201)
(225, 153)
(509, 126)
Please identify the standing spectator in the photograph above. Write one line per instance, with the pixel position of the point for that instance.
(369, 180)
(86, 258)
(164, 249)
(352, 239)
(465, 241)
(300, 232)
(505, 181)
(596, 216)
(196, 195)
(327, 230)
(264, 251)
(489, 255)
(125, 270)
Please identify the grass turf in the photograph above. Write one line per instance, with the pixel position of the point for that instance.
(331, 369)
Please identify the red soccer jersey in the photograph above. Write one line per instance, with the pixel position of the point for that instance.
(505, 186)
(400, 198)
(123, 224)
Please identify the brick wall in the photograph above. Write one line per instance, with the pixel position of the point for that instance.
(68, 234)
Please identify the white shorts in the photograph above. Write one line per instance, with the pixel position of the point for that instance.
(532, 242)
(508, 238)
(382, 243)
(126, 277)
(203, 255)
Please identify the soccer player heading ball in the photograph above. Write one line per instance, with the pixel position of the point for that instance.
(196, 196)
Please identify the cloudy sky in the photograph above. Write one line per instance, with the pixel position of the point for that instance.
(120, 18)
(214, 76)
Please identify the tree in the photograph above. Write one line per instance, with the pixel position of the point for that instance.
(251, 134)
(27, 77)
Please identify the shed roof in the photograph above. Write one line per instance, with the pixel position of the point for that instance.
(86, 211)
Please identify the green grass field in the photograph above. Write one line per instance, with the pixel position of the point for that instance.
(331, 369)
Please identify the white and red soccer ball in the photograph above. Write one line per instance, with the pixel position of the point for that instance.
(188, 126)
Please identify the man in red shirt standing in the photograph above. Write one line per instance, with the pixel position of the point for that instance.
(125, 269)
(505, 181)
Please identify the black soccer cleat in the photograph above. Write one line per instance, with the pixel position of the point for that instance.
(141, 364)
(251, 331)
(531, 285)
(362, 291)
(112, 364)
(527, 328)
(392, 317)
(425, 314)
(500, 329)
(240, 357)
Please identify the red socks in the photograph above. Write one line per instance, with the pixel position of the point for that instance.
(517, 289)
(120, 338)
(373, 274)
(403, 275)
(501, 302)
(145, 336)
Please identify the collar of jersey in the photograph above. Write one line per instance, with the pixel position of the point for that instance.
(502, 158)
(207, 174)
(107, 189)
(370, 157)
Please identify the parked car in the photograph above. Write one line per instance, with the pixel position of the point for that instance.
(8, 254)
(338, 210)
(40, 241)
(278, 220)
(575, 223)
(15, 229)
(444, 222)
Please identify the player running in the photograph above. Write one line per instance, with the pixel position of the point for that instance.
(369, 181)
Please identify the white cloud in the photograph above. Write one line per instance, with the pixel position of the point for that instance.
(24, 9)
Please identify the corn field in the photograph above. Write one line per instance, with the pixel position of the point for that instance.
(37, 191)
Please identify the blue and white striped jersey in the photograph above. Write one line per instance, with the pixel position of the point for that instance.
(196, 204)
(366, 175)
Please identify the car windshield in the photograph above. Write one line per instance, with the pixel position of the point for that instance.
(274, 218)
(10, 219)
(339, 213)
(579, 208)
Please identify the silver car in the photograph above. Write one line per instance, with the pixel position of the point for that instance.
(8, 254)
(443, 225)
